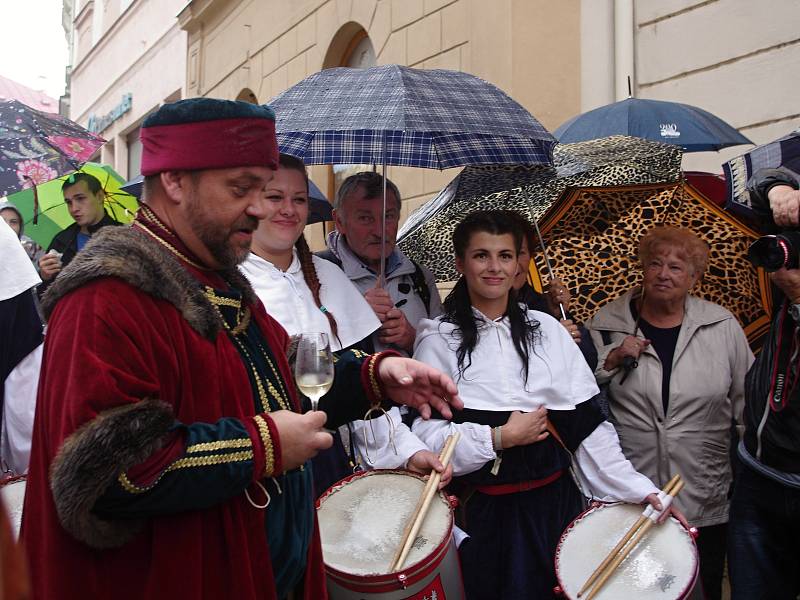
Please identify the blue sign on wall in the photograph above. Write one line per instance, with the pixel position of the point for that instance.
(99, 124)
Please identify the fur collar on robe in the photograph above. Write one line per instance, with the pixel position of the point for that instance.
(131, 255)
(92, 457)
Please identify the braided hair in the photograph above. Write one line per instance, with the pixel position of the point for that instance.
(304, 254)
(458, 306)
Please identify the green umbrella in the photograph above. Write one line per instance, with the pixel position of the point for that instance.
(53, 213)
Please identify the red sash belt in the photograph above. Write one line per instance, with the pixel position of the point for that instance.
(520, 486)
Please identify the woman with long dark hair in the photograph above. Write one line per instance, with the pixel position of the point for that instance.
(528, 407)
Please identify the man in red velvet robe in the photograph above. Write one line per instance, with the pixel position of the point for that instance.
(169, 454)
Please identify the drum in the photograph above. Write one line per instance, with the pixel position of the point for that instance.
(663, 566)
(361, 521)
(12, 491)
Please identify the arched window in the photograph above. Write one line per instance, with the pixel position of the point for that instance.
(350, 47)
(247, 95)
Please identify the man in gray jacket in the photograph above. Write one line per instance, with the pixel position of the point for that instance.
(409, 293)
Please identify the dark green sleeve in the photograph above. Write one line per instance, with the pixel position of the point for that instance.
(201, 465)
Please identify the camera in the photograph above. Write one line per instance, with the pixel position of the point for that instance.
(773, 252)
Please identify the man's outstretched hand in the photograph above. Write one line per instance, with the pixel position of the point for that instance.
(415, 384)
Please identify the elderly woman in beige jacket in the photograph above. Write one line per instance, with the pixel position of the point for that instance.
(673, 412)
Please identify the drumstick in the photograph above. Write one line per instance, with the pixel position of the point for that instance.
(639, 522)
(421, 510)
(624, 554)
(407, 530)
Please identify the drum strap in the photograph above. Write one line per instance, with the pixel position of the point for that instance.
(554, 432)
(551, 429)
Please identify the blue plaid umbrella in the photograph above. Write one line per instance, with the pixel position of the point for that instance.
(783, 153)
(691, 128)
(395, 115)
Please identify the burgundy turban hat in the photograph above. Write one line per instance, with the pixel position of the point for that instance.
(206, 133)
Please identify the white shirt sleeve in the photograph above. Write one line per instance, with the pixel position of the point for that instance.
(373, 443)
(17, 273)
(604, 471)
(20, 389)
(474, 449)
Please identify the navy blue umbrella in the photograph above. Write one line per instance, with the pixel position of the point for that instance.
(691, 128)
(319, 209)
(134, 186)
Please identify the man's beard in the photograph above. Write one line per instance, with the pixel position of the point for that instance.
(217, 239)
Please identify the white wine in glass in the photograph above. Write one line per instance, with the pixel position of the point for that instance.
(313, 370)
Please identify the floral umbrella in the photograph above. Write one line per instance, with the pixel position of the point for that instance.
(53, 216)
(36, 147)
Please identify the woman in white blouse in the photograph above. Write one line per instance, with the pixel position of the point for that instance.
(305, 293)
(523, 380)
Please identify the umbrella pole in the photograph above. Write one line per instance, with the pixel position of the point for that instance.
(382, 272)
(549, 265)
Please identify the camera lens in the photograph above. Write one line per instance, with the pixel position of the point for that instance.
(773, 252)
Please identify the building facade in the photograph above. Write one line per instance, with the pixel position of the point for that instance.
(734, 58)
(128, 58)
(255, 49)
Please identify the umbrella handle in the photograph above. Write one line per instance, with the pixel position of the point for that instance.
(35, 199)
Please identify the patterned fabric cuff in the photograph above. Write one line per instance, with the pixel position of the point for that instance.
(376, 391)
(276, 445)
(265, 433)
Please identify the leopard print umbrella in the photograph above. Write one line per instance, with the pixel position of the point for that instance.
(612, 161)
(592, 237)
(592, 221)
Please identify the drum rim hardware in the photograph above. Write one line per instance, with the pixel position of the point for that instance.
(411, 574)
(572, 566)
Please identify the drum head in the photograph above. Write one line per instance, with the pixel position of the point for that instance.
(663, 566)
(361, 521)
(13, 494)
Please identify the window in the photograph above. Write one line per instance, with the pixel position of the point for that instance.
(134, 154)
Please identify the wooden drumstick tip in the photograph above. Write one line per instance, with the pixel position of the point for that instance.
(629, 548)
(621, 544)
(421, 509)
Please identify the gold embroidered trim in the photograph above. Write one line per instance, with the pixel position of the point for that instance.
(269, 449)
(129, 487)
(219, 445)
(373, 380)
(282, 401)
(281, 396)
(151, 216)
(214, 459)
(274, 369)
(242, 316)
(183, 463)
(221, 300)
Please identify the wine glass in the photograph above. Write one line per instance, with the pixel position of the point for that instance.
(313, 370)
